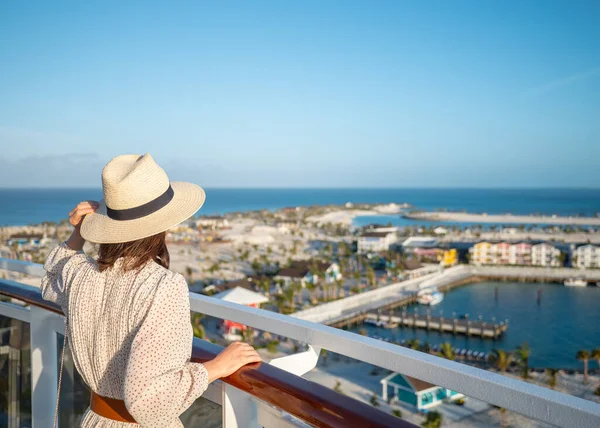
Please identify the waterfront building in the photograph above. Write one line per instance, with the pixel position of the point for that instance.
(434, 255)
(546, 255)
(307, 272)
(402, 389)
(501, 253)
(373, 242)
(520, 254)
(586, 257)
(414, 269)
(480, 253)
(450, 257)
(232, 330)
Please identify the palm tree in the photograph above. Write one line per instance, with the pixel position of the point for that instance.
(552, 377)
(501, 360)
(584, 355)
(371, 276)
(432, 420)
(311, 291)
(523, 352)
(374, 400)
(413, 344)
(596, 356)
(197, 325)
(338, 284)
(297, 287)
(447, 352)
(357, 278)
(264, 284)
(289, 294)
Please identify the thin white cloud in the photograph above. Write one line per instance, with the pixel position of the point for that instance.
(564, 81)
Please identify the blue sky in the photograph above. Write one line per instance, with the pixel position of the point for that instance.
(303, 93)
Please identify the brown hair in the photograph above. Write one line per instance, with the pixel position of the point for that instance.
(135, 253)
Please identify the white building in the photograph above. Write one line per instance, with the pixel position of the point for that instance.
(372, 242)
(586, 257)
(440, 230)
(545, 255)
(212, 222)
(420, 242)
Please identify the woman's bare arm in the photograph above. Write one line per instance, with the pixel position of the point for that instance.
(76, 241)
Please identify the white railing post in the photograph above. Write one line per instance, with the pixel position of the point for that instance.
(44, 368)
(239, 409)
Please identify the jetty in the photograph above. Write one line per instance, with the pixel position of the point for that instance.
(491, 330)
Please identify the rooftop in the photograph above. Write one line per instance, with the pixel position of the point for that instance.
(420, 241)
(299, 269)
(375, 234)
(241, 296)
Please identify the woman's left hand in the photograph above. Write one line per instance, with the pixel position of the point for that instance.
(80, 211)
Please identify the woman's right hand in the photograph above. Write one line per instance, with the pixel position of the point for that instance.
(233, 357)
(80, 211)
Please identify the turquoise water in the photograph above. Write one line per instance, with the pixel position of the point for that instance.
(568, 319)
(26, 206)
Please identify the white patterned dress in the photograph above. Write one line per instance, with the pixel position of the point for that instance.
(130, 335)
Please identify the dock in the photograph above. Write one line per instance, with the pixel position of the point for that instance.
(483, 329)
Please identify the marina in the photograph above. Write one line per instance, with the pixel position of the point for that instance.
(490, 330)
(556, 321)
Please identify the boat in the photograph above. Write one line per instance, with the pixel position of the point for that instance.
(376, 323)
(576, 282)
(429, 296)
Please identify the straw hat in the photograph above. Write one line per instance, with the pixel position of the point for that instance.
(139, 201)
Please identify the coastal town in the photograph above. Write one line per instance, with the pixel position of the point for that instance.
(311, 261)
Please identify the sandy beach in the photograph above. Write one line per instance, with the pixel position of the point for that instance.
(345, 217)
(503, 218)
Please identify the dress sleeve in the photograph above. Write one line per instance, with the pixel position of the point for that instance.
(62, 265)
(160, 381)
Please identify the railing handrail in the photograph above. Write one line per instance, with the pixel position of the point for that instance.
(307, 400)
(530, 400)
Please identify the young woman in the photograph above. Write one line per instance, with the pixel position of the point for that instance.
(128, 316)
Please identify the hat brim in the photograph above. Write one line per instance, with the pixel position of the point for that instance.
(101, 229)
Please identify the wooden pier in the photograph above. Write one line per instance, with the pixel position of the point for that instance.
(467, 327)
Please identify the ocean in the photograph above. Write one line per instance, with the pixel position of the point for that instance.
(29, 206)
(566, 320)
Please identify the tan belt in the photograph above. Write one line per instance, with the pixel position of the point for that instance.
(110, 408)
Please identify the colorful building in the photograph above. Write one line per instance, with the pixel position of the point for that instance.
(518, 254)
(450, 257)
(480, 253)
(242, 296)
(402, 389)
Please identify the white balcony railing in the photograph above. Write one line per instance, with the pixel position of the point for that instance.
(530, 400)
